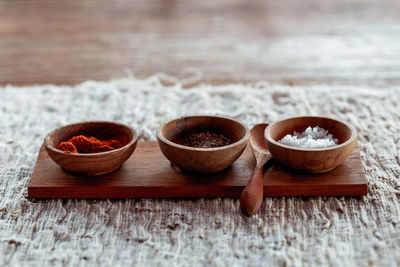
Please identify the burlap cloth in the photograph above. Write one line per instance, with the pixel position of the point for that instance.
(336, 231)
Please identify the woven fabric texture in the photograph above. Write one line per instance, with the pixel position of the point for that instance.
(336, 231)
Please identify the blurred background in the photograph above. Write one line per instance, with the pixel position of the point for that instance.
(289, 42)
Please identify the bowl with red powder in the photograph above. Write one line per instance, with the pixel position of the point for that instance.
(203, 144)
(91, 148)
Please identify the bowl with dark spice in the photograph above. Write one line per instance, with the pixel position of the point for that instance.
(203, 144)
(91, 148)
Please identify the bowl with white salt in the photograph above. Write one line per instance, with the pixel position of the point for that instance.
(311, 144)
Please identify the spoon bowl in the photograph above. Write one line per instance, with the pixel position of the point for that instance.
(257, 140)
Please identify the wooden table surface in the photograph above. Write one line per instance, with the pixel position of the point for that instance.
(294, 42)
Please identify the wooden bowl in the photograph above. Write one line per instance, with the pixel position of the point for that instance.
(203, 160)
(311, 160)
(92, 164)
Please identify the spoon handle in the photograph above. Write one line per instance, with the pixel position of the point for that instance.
(252, 195)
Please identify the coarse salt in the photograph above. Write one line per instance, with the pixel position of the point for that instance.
(311, 138)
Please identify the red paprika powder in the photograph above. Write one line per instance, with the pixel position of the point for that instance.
(83, 144)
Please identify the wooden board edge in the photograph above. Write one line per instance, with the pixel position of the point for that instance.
(192, 192)
(30, 183)
(316, 191)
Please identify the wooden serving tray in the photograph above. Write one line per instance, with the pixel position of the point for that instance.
(148, 174)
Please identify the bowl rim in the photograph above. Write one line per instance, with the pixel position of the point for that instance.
(52, 148)
(244, 139)
(353, 136)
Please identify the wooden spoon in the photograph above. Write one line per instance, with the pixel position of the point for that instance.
(252, 195)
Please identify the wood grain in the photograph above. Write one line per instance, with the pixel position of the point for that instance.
(147, 174)
(293, 42)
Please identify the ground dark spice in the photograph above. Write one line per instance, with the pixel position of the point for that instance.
(206, 140)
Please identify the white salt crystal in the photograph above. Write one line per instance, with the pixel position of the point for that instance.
(312, 137)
